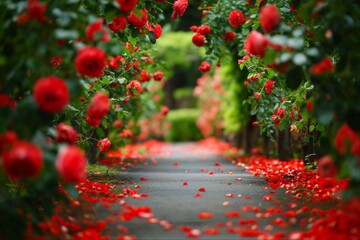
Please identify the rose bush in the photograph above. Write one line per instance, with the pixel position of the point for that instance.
(298, 66)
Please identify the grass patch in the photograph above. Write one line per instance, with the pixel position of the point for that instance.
(101, 173)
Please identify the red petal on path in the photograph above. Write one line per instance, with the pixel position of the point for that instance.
(268, 198)
(202, 189)
(229, 195)
(185, 183)
(232, 214)
(143, 179)
(217, 164)
(185, 228)
(211, 173)
(176, 164)
(198, 195)
(205, 215)
(194, 233)
(211, 231)
(226, 204)
(290, 214)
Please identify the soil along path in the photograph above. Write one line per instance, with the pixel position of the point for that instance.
(193, 192)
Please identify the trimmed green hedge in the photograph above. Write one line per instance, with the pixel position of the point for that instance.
(184, 98)
(183, 125)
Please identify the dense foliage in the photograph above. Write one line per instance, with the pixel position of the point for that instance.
(74, 75)
(300, 68)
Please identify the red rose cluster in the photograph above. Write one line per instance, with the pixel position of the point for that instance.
(279, 114)
(256, 43)
(24, 160)
(269, 86)
(35, 12)
(134, 88)
(199, 38)
(204, 67)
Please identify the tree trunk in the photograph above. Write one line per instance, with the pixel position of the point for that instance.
(310, 147)
(266, 146)
(91, 152)
(284, 149)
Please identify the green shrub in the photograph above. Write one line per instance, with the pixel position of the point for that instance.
(184, 98)
(183, 125)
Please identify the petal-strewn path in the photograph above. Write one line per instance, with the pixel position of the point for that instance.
(192, 191)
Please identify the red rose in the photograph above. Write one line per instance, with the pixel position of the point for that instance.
(71, 164)
(269, 86)
(229, 36)
(324, 66)
(23, 160)
(66, 134)
(158, 76)
(269, 18)
(164, 110)
(6, 101)
(236, 18)
(118, 124)
(126, 134)
(51, 94)
(98, 108)
(204, 30)
(156, 29)
(56, 61)
(7, 139)
(127, 5)
(255, 44)
(104, 145)
(95, 28)
(295, 113)
(145, 76)
(118, 24)
(114, 62)
(179, 8)
(92, 121)
(279, 114)
(327, 167)
(257, 95)
(204, 67)
(134, 88)
(194, 28)
(90, 61)
(138, 21)
(198, 40)
(36, 11)
(344, 139)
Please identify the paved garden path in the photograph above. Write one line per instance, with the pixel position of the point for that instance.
(173, 186)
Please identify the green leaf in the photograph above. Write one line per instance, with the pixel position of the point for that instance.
(72, 108)
(71, 190)
(296, 43)
(311, 128)
(312, 52)
(152, 37)
(66, 34)
(100, 132)
(299, 59)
